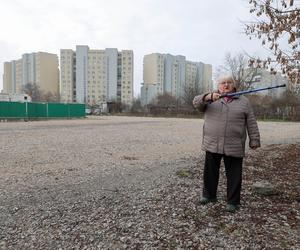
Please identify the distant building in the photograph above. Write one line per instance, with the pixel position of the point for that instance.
(165, 73)
(264, 78)
(96, 76)
(39, 68)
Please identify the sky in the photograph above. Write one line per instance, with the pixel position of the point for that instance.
(200, 30)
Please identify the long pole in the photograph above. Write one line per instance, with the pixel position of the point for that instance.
(250, 91)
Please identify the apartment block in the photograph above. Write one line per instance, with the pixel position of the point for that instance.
(67, 75)
(165, 73)
(263, 78)
(96, 76)
(8, 86)
(39, 68)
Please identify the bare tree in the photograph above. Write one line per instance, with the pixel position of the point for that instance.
(49, 97)
(136, 105)
(290, 98)
(277, 25)
(189, 92)
(38, 95)
(166, 100)
(237, 65)
(114, 106)
(33, 90)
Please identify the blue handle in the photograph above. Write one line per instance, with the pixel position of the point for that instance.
(250, 91)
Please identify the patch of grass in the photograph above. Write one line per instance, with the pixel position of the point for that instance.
(284, 244)
(172, 244)
(183, 173)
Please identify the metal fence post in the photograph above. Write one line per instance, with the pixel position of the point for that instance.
(26, 110)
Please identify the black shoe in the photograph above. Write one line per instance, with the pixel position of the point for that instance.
(205, 200)
(231, 208)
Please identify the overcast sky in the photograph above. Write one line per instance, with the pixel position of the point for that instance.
(200, 30)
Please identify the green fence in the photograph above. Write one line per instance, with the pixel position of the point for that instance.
(36, 110)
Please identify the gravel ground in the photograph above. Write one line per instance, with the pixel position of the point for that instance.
(130, 182)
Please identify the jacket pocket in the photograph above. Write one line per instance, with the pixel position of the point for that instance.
(234, 146)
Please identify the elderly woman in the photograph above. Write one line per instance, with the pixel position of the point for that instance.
(226, 121)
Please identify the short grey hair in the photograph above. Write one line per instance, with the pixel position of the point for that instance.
(225, 77)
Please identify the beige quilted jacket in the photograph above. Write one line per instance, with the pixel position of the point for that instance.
(226, 125)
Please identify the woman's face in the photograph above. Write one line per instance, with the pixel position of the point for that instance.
(226, 86)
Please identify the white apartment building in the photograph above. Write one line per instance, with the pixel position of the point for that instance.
(96, 76)
(165, 73)
(39, 68)
(67, 81)
(8, 84)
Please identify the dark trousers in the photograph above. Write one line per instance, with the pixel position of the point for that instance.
(233, 169)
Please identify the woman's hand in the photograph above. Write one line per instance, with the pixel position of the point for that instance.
(212, 97)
